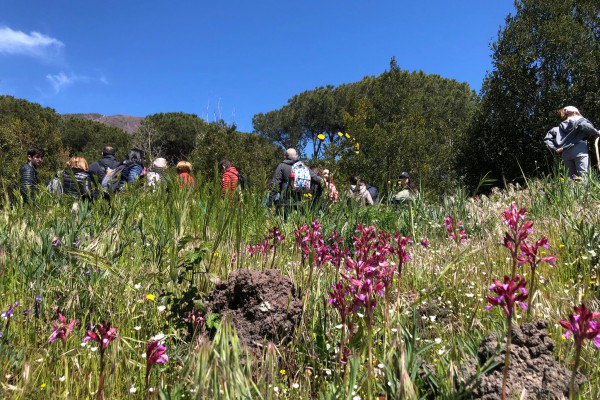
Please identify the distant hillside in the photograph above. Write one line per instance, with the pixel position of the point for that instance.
(127, 123)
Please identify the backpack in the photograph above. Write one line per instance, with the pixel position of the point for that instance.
(55, 186)
(112, 181)
(243, 183)
(374, 193)
(301, 175)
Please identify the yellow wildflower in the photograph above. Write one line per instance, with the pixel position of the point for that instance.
(282, 372)
(150, 297)
(320, 136)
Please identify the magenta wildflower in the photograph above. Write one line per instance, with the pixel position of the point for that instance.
(156, 353)
(582, 325)
(530, 253)
(530, 256)
(510, 292)
(453, 227)
(425, 243)
(62, 330)
(105, 335)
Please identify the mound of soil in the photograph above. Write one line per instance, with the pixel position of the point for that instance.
(532, 367)
(261, 305)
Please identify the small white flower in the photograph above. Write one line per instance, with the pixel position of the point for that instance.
(151, 389)
(360, 315)
(357, 397)
(432, 318)
(327, 371)
(158, 336)
(380, 366)
(276, 389)
(143, 355)
(137, 328)
(83, 344)
(132, 389)
(340, 326)
(161, 308)
(62, 378)
(438, 340)
(94, 348)
(295, 386)
(394, 330)
(469, 295)
(137, 286)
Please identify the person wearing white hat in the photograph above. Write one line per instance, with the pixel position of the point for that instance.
(155, 175)
(569, 140)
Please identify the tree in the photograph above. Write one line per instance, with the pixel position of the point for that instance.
(547, 56)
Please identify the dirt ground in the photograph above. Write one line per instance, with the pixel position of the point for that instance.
(262, 305)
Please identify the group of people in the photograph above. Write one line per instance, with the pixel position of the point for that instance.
(292, 180)
(106, 175)
(286, 193)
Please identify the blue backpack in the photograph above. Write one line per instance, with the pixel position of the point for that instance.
(301, 174)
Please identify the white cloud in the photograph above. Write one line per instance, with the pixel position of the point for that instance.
(62, 80)
(33, 44)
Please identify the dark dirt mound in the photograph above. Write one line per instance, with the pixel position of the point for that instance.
(261, 305)
(532, 367)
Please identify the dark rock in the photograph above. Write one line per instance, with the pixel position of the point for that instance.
(261, 305)
(532, 370)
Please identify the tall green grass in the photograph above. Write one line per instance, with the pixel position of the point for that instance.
(174, 245)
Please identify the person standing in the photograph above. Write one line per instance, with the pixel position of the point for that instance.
(407, 191)
(155, 176)
(184, 170)
(105, 165)
(332, 193)
(28, 174)
(230, 177)
(569, 140)
(76, 180)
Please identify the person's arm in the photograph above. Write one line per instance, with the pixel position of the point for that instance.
(368, 198)
(550, 140)
(588, 129)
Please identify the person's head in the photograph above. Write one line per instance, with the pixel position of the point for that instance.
(159, 164)
(362, 186)
(353, 180)
(135, 156)
(568, 111)
(108, 151)
(184, 166)
(291, 154)
(326, 174)
(77, 162)
(404, 178)
(225, 165)
(35, 155)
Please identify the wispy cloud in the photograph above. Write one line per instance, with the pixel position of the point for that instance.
(32, 44)
(61, 80)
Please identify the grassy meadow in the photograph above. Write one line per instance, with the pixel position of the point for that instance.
(144, 261)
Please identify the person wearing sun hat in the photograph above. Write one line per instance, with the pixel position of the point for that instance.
(155, 175)
(407, 192)
(569, 140)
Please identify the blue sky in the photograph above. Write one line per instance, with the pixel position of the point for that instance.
(229, 59)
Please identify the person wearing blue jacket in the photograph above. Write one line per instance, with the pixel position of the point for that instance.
(135, 166)
(569, 140)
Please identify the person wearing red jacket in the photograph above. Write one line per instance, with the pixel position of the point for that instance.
(230, 177)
